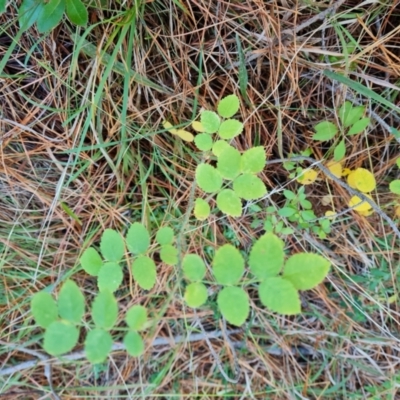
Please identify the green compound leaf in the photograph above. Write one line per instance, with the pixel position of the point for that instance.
(253, 160)
(229, 203)
(29, 12)
(136, 318)
(134, 344)
(112, 245)
(230, 129)
(91, 261)
(266, 256)
(394, 186)
(229, 163)
(165, 235)
(340, 151)
(60, 337)
(359, 126)
(228, 106)
(193, 267)
(98, 344)
(110, 277)
(325, 131)
(196, 294)
(138, 238)
(71, 302)
(354, 115)
(228, 265)
(249, 187)
(76, 12)
(344, 111)
(210, 121)
(105, 310)
(233, 303)
(203, 141)
(201, 209)
(306, 270)
(208, 178)
(280, 296)
(51, 15)
(219, 146)
(169, 254)
(144, 272)
(44, 309)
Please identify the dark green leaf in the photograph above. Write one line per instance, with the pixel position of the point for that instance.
(29, 12)
(51, 15)
(76, 12)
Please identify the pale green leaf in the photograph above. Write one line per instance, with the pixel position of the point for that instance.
(395, 186)
(233, 303)
(266, 256)
(136, 318)
(354, 115)
(165, 235)
(208, 178)
(201, 209)
(306, 270)
(144, 272)
(112, 245)
(51, 15)
(138, 238)
(210, 121)
(230, 129)
(229, 163)
(229, 203)
(60, 337)
(398, 162)
(105, 310)
(253, 160)
(44, 309)
(169, 254)
(280, 296)
(359, 126)
(110, 277)
(71, 302)
(228, 106)
(91, 261)
(203, 141)
(76, 12)
(193, 267)
(219, 146)
(196, 294)
(287, 211)
(249, 187)
(339, 151)
(344, 111)
(227, 265)
(134, 344)
(325, 131)
(98, 344)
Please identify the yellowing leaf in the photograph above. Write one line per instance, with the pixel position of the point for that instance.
(168, 126)
(326, 200)
(335, 168)
(362, 207)
(351, 179)
(309, 176)
(397, 211)
(363, 180)
(346, 171)
(185, 135)
(197, 126)
(330, 214)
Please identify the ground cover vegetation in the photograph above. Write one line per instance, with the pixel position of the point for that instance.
(199, 199)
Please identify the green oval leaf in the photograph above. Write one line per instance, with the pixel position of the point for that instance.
(325, 131)
(229, 163)
(71, 302)
(110, 277)
(340, 151)
(266, 256)
(169, 254)
(359, 126)
(229, 203)
(203, 141)
(60, 337)
(287, 212)
(98, 344)
(112, 245)
(51, 15)
(91, 261)
(44, 309)
(201, 209)
(165, 235)
(228, 106)
(196, 294)
(208, 178)
(394, 186)
(210, 121)
(233, 303)
(228, 265)
(306, 270)
(29, 12)
(136, 318)
(76, 12)
(249, 187)
(138, 238)
(193, 267)
(253, 160)
(219, 146)
(280, 296)
(230, 129)
(105, 310)
(144, 272)
(134, 344)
